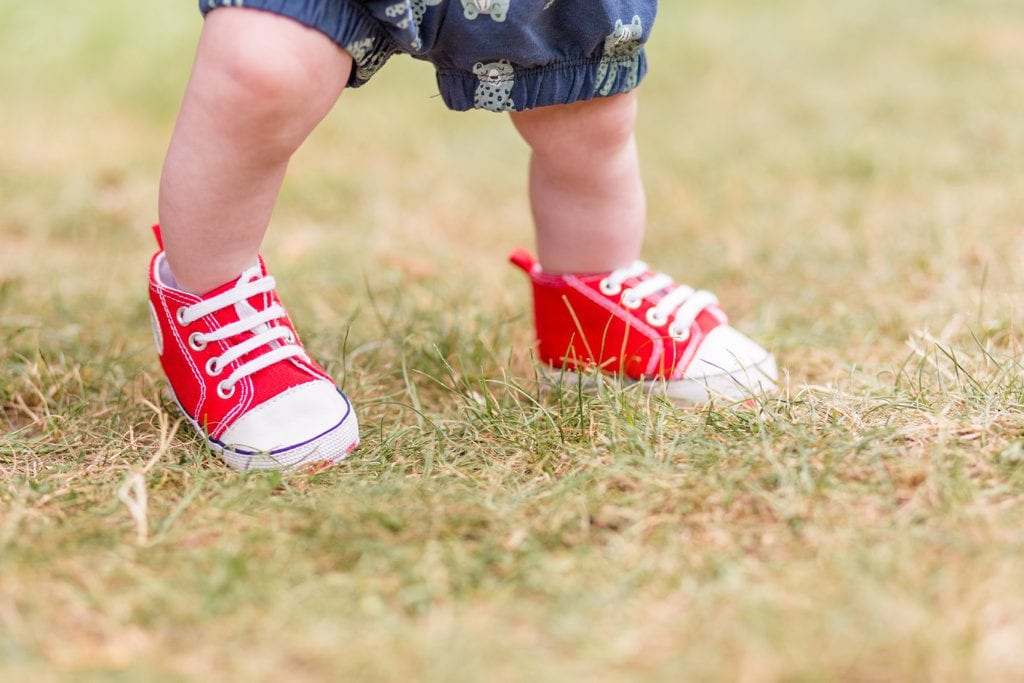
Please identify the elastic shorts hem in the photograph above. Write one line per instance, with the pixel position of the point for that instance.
(562, 83)
(494, 85)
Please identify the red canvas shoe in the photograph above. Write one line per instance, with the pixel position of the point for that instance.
(238, 371)
(645, 327)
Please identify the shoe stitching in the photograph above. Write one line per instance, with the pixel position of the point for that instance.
(690, 352)
(695, 342)
(164, 294)
(210, 322)
(629, 319)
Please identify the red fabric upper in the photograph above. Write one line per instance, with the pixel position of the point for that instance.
(578, 326)
(185, 367)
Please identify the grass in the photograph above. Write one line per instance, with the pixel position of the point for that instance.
(845, 175)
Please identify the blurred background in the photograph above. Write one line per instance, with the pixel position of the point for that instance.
(846, 175)
(841, 173)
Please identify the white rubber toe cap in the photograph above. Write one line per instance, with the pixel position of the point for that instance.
(728, 365)
(306, 423)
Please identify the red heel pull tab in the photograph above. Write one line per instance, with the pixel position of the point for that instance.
(522, 258)
(159, 238)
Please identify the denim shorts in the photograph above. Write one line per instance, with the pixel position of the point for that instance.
(500, 55)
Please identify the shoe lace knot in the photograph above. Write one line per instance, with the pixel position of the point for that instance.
(677, 306)
(261, 336)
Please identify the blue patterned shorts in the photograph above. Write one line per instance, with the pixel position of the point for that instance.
(499, 55)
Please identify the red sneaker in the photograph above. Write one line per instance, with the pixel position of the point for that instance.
(644, 327)
(238, 371)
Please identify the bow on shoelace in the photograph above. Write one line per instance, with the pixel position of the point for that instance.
(278, 341)
(684, 302)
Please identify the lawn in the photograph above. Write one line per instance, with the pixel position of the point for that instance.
(846, 175)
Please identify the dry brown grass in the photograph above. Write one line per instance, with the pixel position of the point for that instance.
(845, 175)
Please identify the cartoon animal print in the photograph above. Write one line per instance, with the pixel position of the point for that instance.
(367, 60)
(398, 14)
(407, 15)
(419, 10)
(621, 51)
(495, 89)
(498, 9)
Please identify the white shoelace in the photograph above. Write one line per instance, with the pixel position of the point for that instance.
(682, 303)
(278, 340)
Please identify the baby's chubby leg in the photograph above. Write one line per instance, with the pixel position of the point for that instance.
(585, 187)
(259, 85)
(595, 304)
(233, 359)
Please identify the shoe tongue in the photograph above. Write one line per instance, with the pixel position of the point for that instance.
(244, 309)
(247, 307)
(248, 274)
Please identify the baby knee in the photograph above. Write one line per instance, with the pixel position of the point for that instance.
(262, 81)
(257, 80)
(597, 127)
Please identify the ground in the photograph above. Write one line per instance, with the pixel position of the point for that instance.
(845, 175)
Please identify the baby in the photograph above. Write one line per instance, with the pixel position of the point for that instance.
(267, 71)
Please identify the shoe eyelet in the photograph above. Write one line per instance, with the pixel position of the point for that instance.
(195, 343)
(212, 369)
(290, 338)
(656, 319)
(225, 391)
(679, 335)
(629, 300)
(179, 315)
(609, 288)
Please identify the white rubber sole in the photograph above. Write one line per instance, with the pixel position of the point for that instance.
(758, 379)
(331, 447)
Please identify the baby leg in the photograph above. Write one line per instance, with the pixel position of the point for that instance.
(259, 85)
(585, 188)
(589, 209)
(233, 359)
